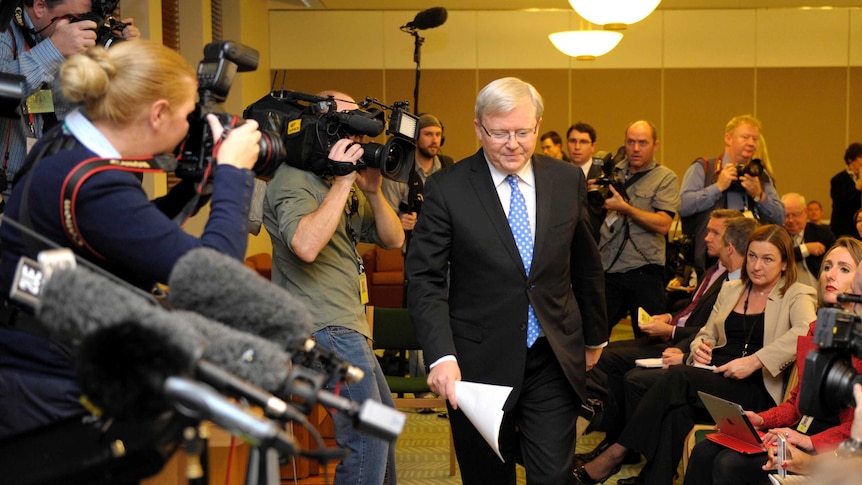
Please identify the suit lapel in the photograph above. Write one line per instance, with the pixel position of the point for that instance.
(544, 189)
(483, 187)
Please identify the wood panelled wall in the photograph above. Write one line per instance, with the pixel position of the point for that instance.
(687, 71)
(805, 111)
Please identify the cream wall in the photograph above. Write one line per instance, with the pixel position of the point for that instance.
(688, 71)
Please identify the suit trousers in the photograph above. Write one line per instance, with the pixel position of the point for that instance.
(544, 416)
(640, 287)
(658, 427)
(618, 358)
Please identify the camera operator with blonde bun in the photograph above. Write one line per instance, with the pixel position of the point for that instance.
(136, 99)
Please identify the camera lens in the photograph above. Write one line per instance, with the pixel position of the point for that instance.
(272, 153)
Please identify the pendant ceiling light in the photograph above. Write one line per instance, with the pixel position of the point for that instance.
(585, 45)
(614, 14)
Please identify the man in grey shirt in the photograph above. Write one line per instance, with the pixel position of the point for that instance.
(633, 234)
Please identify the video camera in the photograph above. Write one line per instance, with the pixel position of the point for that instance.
(222, 60)
(608, 177)
(827, 383)
(102, 12)
(754, 169)
(311, 124)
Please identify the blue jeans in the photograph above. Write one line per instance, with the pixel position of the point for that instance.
(371, 459)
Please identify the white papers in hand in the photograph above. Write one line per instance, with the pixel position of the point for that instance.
(483, 406)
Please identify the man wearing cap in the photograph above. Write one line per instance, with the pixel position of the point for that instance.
(407, 198)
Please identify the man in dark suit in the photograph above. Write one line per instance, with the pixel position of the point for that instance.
(581, 142)
(810, 241)
(515, 303)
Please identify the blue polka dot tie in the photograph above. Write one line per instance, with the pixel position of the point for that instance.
(519, 222)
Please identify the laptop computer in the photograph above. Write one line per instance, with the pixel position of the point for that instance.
(734, 430)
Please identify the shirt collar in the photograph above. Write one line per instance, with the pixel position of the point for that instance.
(90, 136)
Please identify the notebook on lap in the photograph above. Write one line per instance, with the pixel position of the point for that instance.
(734, 430)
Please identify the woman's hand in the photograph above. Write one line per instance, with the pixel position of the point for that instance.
(793, 437)
(755, 419)
(797, 460)
(241, 147)
(740, 368)
(703, 353)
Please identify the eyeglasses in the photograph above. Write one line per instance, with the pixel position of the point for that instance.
(503, 136)
(578, 142)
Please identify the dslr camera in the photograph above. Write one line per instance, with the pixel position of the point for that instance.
(311, 124)
(754, 168)
(222, 60)
(608, 177)
(827, 383)
(102, 12)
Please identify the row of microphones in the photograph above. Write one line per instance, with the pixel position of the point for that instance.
(223, 289)
(427, 19)
(129, 346)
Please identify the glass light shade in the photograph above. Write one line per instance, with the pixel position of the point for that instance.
(585, 45)
(614, 14)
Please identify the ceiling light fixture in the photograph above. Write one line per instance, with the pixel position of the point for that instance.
(614, 14)
(585, 45)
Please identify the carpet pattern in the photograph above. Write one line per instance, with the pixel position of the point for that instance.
(422, 453)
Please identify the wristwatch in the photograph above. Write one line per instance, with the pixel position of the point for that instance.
(849, 447)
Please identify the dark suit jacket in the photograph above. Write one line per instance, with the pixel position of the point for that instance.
(846, 200)
(700, 313)
(468, 292)
(815, 233)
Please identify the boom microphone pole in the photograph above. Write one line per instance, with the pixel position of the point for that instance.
(426, 19)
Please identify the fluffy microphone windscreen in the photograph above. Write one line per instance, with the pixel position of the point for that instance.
(223, 289)
(247, 356)
(122, 367)
(75, 302)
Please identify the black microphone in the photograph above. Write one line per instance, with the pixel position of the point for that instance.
(359, 122)
(218, 287)
(223, 289)
(428, 19)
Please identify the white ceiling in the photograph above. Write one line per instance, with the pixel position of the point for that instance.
(417, 5)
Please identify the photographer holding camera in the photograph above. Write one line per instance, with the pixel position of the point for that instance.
(315, 221)
(641, 202)
(41, 36)
(137, 97)
(733, 180)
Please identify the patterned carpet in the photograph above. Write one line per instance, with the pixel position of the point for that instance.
(422, 453)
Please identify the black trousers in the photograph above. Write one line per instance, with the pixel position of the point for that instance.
(658, 427)
(540, 429)
(618, 358)
(713, 464)
(640, 287)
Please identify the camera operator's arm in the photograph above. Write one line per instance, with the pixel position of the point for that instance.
(388, 225)
(658, 222)
(316, 228)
